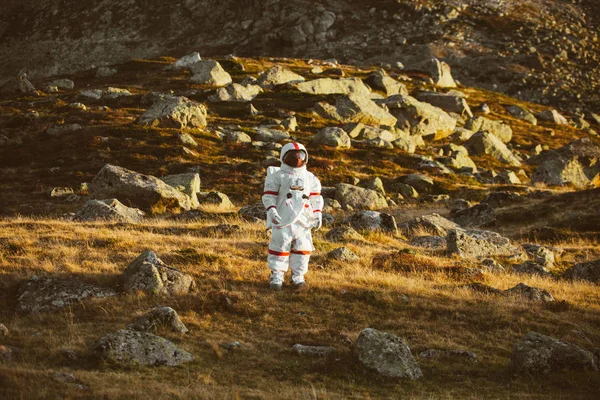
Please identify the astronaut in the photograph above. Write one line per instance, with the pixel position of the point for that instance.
(292, 198)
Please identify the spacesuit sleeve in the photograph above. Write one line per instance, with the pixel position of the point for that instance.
(315, 198)
(271, 190)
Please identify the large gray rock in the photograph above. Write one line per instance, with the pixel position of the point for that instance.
(343, 234)
(236, 92)
(357, 108)
(422, 183)
(479, 244)
(541, 354)
(108, 210)
(188, 184)
(440, 72)
(552, 116)
(270, 135)
(209, 72)
(49, 294)
(496, 128)
(342, 254)
(373, 221)
(175, 112)
(575, 163)
(144, 191)
(217, 199)
(429, 242)
(380, 80)
(433, 223)
(63, 84)
(447, 102)
(278, 75)
(387, 354)
(420, 118)
(132, 348)
(531, 268)
(149, 273)
(185, 61)
(540, 254)
(521, 113)
(332, 137)
(487, 143)
(530, 293)
(588, 271)
(157, 317)
(359, 198)
(477, 216)
(334, 86)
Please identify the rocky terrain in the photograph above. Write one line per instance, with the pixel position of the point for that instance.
(536, 50)
(459, 257)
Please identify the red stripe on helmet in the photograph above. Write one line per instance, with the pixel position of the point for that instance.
(296, 145)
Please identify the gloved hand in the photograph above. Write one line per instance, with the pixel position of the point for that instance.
(319, 222)
(274, 216)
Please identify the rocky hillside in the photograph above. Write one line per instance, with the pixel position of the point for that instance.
(537, 50)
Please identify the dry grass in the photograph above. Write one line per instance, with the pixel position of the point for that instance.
(424, 305)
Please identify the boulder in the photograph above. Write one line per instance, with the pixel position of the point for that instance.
(491, 265)
(132, 348)
(531, 268)
(253, 212)
(541, 354)
(218, 199)
(433, 223)
(552, 116)
(380, 80)
(362, 131)
(332, 137)
(278, 75)
(477, 216)
(372, 144)
(447, 102)
(507, 177)
(271, 135)
(357, 108)
(209, 72)
(175, 112)
(188, 184)
(420, 118)
(406, 191)
(479, 244)
(144, 191)
(343, 234)
(105, 72)
(530, 293)
(157, 317)
(342, 254)
(422, 183)
(497, 128)
(387, 354)
(313, 351)
(63, 84)
(521, 113)
(501, 198)
(237, 137)
(185, 61)
(588, 271)
(236, 92)
(108, 210)
(115, 93)
(373, 221)
(459, 161)
(149, 273)
(375, 184)
(334, 86)
(540, 254)
(49, 294)
(59, 130)
(486, 143)
(429, 242)
(440, 72)
(187, 139)
(359, 198)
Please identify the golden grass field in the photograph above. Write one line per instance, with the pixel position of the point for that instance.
(416, 297)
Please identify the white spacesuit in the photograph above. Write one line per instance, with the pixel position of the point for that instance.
(292, 197)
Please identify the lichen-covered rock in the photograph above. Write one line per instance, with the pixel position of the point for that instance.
(380, 80)
(175, 112)
(209, 72)
(355, 197)
(332, 137)
(342, 254)
(334, 86)
(278, 75)
(236, 92)
(497, 128)
(531, 267)
(271, 135)
(434, 223)
(343, 234)
(429, 242)
(541, 354)
(144, 191)
(159, 316)
(530, 293)
(149, 273)
(588, 271)
(217, 199)
(487, 143)
(501, 198)
(447, 102)
(185, 61)
(552, 116)
(357, 108)
(130, 348)
(373, 221)
(479, 244)
(188, 183)
(387, 354)
(108, 210)
(540, 254)
(48, 294)
(521, 113)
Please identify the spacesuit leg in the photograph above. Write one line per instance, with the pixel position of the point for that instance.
(279, 253)
(300, 253)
